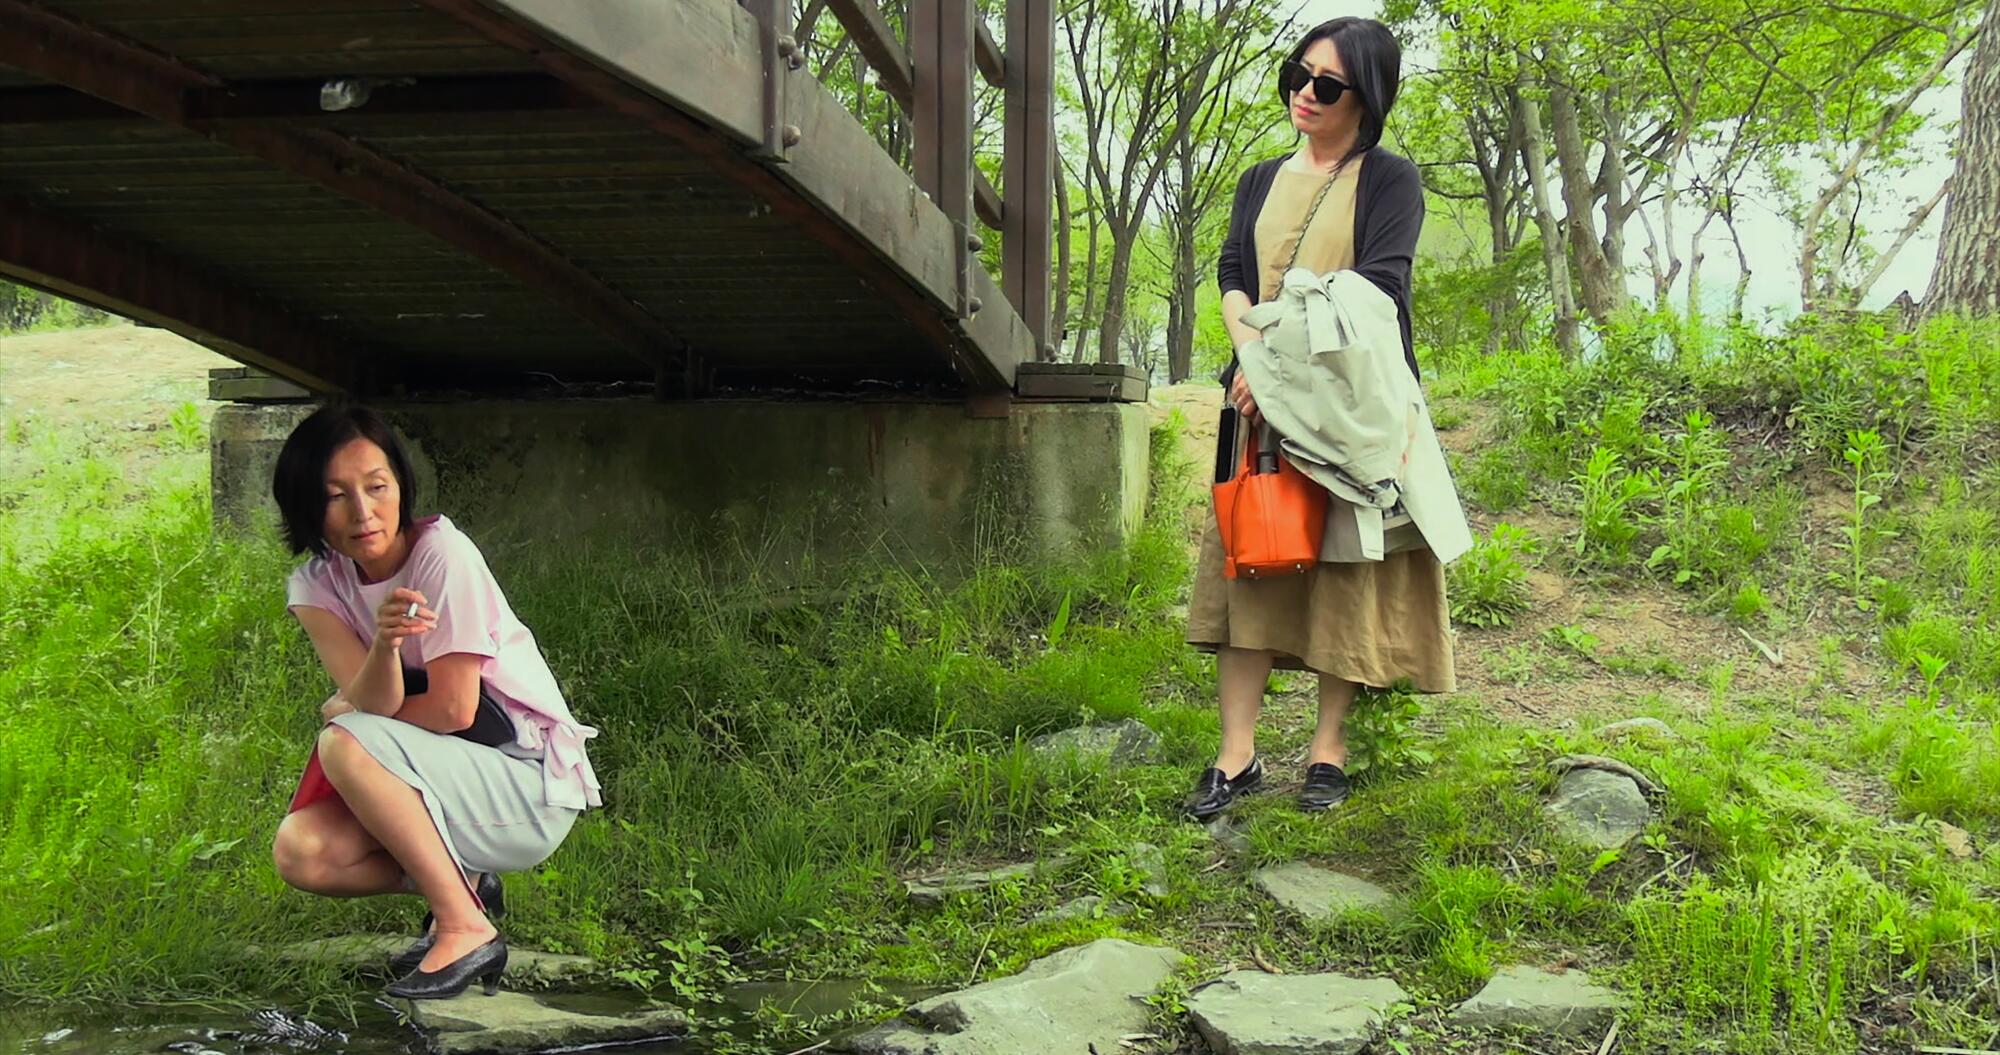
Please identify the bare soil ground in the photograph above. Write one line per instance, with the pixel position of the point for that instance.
(1651, 644)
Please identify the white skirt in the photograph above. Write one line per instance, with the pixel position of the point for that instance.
(489, 806)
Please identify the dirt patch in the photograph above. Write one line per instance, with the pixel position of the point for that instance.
(109, 376)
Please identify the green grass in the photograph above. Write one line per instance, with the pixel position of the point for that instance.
(773, 768)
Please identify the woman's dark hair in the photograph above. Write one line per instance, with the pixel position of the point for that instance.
(298, 483)
(1373, 62)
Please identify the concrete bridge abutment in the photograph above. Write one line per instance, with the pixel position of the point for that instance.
(794, 487)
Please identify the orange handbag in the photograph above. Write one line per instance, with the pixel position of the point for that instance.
(1269, 513)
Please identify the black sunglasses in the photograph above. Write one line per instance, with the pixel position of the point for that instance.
(1293, 76)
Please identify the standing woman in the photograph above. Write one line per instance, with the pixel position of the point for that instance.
(1341, 202)
(448, 755)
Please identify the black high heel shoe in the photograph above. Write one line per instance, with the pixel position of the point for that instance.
(485, 963)
(491, 894)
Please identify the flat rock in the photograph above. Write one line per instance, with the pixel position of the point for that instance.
(1599, 808)
(1228, 836)
(1566, 763)
(932, 890)
(1253, 1013)
(524, 966)
(1529, 998)
(1124, 743)
(473, 1023)
(1088, 907)
(1150, 862)
(1067, 1001)
(1320, 893)
(1631, 726)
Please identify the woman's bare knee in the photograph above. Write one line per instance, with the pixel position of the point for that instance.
(339, 751)
(299, 852)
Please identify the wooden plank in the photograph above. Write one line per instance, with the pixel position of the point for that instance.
(255, 390)
(1029, 160)
(141, 281)
(940, 39)
(986, 53)
(1095, 382)
(879, 48)
(86, 58)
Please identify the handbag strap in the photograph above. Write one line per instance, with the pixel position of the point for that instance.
(1310, 213)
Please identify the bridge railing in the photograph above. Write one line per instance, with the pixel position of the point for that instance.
(931, 80)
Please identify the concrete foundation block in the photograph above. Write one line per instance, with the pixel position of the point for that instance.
(805, 485)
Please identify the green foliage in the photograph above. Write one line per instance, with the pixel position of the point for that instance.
(1382, 732)
(1611, 507)
(1862, 535)
(1489, 584)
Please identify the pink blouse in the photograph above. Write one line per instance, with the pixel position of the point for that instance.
(474, 618)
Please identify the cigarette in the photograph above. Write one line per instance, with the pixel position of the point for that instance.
(413, 610)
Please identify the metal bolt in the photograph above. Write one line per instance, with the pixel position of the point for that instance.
(787, 46)
(791, 135)
(974, 242)
(972, 305)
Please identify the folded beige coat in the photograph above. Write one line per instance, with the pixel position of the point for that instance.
(1328, 375)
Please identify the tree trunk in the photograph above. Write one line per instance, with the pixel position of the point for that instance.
(1116, 286)
(1967, 278)
(1602, 288)
(1060, 322)
(1535, 159)
(1089, 286)
(1180, 313)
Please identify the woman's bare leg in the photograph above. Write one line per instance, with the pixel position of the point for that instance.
(1241, 674)
(393, 812)
(324, 850)
(1329, 742)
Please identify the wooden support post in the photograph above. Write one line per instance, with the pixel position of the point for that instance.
(780, 57)
(941, 46)
(1029, 172)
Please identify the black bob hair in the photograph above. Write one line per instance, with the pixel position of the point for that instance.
(298, 483)
(1373, 62)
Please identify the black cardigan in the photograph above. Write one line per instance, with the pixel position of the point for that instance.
(1388, 214)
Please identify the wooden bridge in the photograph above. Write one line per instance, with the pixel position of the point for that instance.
(425, 196)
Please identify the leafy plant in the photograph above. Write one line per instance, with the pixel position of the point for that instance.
(1489, 583)
(1382, 733)
(189, 431)
(1612, 517)
(1860, 535)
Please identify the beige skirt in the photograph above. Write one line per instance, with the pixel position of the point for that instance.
(1370, 622)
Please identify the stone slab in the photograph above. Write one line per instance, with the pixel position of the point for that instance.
(1254, 1013)
(1122, 743)
(1320, 893)
(930, 891)
(1090, 996)
(1521, 997)
(507, 1023)
(1089, 906)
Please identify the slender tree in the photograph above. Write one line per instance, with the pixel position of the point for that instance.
(1967, 278)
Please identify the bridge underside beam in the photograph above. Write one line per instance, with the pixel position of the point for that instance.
(558, 35)
(57, 254)
(297, 102)
(90, 60)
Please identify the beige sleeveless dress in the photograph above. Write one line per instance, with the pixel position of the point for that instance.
(1371, 622)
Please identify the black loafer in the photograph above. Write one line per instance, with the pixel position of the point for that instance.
(1326, 786)
(1214, 790)
(491, 894)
